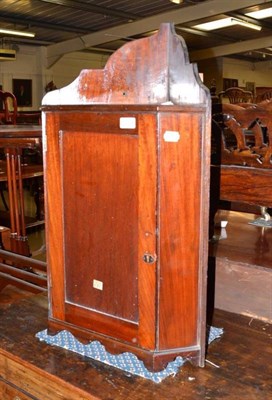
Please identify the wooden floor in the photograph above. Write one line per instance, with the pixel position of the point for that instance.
(238, 364)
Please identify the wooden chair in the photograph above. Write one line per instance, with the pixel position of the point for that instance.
(16, 265)
(8, 114)
(18, 237)
(23, 272)
(267, 95)
(237, 95)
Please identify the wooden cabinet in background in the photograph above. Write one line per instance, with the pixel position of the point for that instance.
(126, 154)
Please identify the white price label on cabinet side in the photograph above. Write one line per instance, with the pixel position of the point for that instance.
(171, 136)
(127, 123)
(97, 284)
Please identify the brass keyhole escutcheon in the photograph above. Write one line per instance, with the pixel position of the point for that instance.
(149, 258)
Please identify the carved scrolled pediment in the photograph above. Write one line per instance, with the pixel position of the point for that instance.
(152, 70)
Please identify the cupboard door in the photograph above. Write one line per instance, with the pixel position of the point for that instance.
(108, 226)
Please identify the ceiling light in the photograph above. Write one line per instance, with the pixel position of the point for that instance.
(17, 33)
(226, 22)
(176, 1)
(217, 24)
(246, 24)
(265, 13)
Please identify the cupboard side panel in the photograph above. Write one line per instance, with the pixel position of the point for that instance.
(53, 214)
(179, 224)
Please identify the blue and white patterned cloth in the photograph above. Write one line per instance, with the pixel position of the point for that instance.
(126, 361)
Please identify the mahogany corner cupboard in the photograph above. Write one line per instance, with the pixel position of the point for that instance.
(126, 158)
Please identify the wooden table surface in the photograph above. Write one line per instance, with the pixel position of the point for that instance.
(239, 365)
(20, 130)
(20, 135)
(241, 241)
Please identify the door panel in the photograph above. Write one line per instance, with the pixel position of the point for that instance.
(100, 221)
(107, 225)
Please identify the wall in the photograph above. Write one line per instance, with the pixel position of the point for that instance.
(225, 67)
(30, 63)
(26, 66)
(70, 65)
(259, 73)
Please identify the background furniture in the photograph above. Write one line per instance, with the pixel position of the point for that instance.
(265, 95)
(9, 113)
(237, 95)
(16, 267)
(8, 108)
(127, 199)
(241, 156)
(21, 160)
